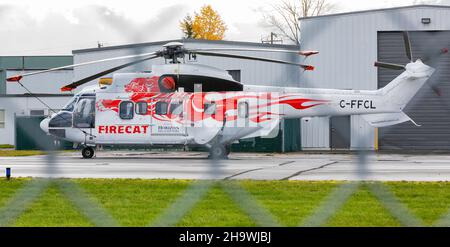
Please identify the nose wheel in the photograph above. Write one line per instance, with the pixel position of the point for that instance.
(219, 152)
(87, 152)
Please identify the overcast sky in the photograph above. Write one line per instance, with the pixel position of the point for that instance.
(50, 27)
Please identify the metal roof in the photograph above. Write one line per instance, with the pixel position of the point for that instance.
(377, 10)
(219, 42)
(34, 62)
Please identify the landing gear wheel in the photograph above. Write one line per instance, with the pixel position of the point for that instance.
(87, 152)
(218, 152)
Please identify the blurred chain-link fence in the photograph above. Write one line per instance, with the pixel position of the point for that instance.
(94, 211)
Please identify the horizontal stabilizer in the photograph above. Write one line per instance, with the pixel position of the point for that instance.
(387, 119)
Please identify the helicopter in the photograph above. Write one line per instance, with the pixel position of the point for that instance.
(179, 104)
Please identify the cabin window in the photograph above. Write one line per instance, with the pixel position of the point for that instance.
(210, 108)
(243, 110)
(141, 108)
(161, 108)
(176, 108)
(126, 110)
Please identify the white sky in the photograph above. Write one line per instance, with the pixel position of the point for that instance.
(38, 27)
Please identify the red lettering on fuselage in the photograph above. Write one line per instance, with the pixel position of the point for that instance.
(123, 129)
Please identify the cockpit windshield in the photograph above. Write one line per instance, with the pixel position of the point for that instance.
(84, 114)
(71, 105)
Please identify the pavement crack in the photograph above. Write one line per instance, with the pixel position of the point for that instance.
(286, 163)
(244, 172)
(258, 169)
(312, 169)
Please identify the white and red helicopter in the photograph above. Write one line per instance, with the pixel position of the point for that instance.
(163, 107)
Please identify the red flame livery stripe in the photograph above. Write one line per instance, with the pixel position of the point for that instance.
(196, 103)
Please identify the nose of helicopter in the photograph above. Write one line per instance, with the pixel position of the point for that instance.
(44, 125)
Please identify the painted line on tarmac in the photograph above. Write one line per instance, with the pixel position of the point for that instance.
(312, 169)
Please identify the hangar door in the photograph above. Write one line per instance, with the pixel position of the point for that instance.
(431, 106)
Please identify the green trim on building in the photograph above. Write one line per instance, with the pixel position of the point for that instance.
(34, 62)
(290, 135)
(2, 81)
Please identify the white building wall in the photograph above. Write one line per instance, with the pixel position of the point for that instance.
(21, 106)
(315, 133)
(48, 83)
(348, 50)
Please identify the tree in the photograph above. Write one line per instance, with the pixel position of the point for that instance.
(208, 24)
(187, 27)
(284, 16)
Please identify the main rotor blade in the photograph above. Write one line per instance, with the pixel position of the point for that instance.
(303, 53)
(76, 84)
(408, 47)
(215, 54)
(390, 66)
(19, 77)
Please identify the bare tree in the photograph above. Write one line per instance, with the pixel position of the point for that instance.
(284, 16)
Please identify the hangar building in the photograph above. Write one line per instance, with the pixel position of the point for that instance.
(17, 103)
(349, 44)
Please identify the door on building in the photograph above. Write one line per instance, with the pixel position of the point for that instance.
(340, 132)
(29, 135)
(430, 107)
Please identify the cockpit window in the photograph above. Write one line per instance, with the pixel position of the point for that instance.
(61, 120)
(71, 105)
(84, 113)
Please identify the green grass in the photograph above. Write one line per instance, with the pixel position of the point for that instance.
(6, 146)
(17, 153)
(140, 202)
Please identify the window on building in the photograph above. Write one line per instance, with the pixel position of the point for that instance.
(210, 108)
(2, 119)
(161, 108)
(141, 108)
(126, 110)
(37, 113)
(176, 108)
(243, 110)
(236, 74)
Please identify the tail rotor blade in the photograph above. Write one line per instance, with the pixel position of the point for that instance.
(408, 47)
(390, 66)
